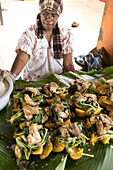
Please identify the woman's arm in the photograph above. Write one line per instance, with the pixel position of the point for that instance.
(19, 63)
(68, 63)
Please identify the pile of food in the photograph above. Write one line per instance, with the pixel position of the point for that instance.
(60, 119)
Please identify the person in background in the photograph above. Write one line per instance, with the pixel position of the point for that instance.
(46, 47)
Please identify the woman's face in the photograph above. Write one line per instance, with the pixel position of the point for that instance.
(49, 19)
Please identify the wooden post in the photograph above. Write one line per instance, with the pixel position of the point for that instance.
(1, 18)
(105, 38)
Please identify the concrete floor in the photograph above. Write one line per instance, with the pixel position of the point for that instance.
(21, 14)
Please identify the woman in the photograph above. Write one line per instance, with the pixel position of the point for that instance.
(45, 48)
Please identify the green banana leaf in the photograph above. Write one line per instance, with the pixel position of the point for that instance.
(103, 154)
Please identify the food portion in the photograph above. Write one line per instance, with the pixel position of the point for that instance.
(60, 119)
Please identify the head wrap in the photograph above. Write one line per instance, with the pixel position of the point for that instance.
(56, 5)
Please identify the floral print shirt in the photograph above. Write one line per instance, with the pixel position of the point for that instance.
(41, 61)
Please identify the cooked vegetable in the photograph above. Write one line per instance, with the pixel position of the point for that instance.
(60, 119)
(94, 139)
(18, 152)
(106, 140)
(58, 147)
(16, 116)
(75, 153)
(47, 150)
(38, 151)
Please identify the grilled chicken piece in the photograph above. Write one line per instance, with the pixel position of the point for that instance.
(106, 119)
(29, 111)
(55, 106)
(74, 130)
(51, 88)
(64, 131)
(104, 124)
(91, 97)
(81, 85)
(70, 129)
(71, 102)
(34, 136)
(101, 129)
(48, 93)
(30, 102)
(109, 82)
(102, 79)
(57, 109)
(81, 98)
(86, 97)
(64, 114)
(34, 91)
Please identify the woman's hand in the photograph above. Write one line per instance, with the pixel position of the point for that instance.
(68, 63)
(6, 73)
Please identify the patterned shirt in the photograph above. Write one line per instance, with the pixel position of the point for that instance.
(41, 61)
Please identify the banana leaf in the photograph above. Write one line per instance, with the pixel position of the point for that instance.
(103, 154)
